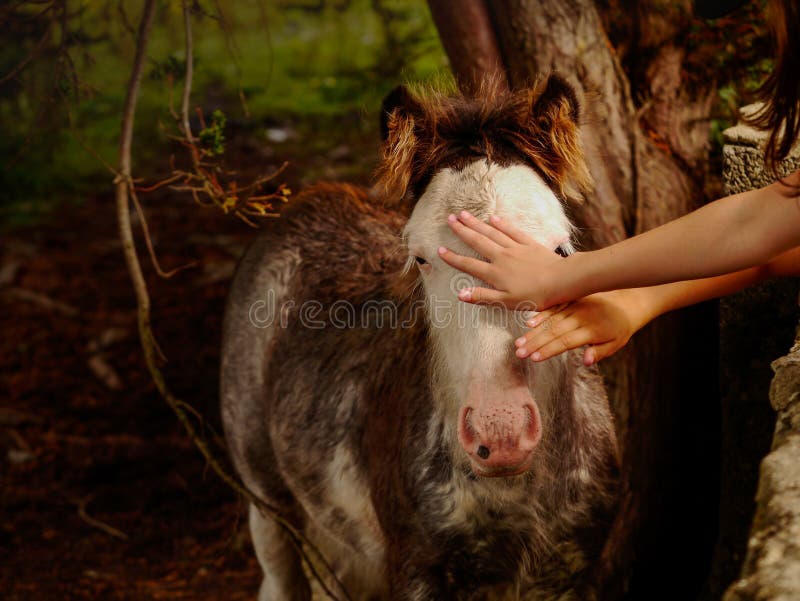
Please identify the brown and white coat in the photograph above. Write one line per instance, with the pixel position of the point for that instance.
(351, 428)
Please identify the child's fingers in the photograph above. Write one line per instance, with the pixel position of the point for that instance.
(598, 352)
(474, 267)
(543, 316)
(473, 238)
(487, 230)
(512, 232)
(483, 296)
(566, 342)
(556, 326)
(534, 339)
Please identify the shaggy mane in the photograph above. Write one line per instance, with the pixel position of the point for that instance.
(429, 130)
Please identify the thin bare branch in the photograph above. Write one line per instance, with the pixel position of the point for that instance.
(149, 242)
(123, 187)
(68, 72)
(32, 131)
(264, 26)
(126, 22)
(79, 138)
(187, 82)
(129, 111)
(171, 97)
(244, 218)
(40, 300)
(233, 50)
(161, 184)
(95, 523)
(30, 56)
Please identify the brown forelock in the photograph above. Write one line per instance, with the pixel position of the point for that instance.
(504, 127)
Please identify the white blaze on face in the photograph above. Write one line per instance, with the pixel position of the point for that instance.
(499, 423)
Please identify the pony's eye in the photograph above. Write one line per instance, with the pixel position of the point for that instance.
(423, 266)
(561, 251)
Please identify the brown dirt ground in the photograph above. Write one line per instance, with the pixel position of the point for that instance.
(71, 439)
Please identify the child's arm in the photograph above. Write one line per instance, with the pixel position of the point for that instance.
(607, 320)
(728, 235)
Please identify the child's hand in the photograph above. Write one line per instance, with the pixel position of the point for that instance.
(523, 273)
(605, 321)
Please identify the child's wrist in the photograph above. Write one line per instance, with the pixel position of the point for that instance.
(644, 305)
(576, 276)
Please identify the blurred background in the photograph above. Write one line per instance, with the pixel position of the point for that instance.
(102, 495)
(280, 72)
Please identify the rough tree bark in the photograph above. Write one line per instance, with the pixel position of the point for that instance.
(646, 143)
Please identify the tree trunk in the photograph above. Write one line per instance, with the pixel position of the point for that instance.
(469, 41)
(648, 163)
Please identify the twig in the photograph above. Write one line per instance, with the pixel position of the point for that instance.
(94, 522)
(103, 371)
(123, 184)
(33, 130)
(79, 138)
(235, 53)
(41, 13)
(171, 96)
(44, 302)
(149, 242)
(246, 219)
(160, 184)
(22, 444)
(189, 75)
(70, 73)
(126, 23)
(13, 417)
(31, 55)
(264, 26)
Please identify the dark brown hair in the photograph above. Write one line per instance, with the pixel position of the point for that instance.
(780, 92)
(424, 132)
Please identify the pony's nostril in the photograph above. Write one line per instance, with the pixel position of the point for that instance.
(483, 452)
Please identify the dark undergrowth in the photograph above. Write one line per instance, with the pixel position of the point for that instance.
(102, 494)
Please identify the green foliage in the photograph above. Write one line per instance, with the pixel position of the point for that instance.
(212, 138)
(171, 68)
(734, 53)
(313, 64)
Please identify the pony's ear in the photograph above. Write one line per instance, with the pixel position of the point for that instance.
(401, 120)
(399, 100)
(558, 98)
(555, 116)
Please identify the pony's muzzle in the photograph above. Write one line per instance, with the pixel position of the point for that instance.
(500, 437)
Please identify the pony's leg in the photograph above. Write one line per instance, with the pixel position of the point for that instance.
(284, 579)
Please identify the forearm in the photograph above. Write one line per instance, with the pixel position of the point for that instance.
(728, 235)
(606, 321)
(653, 301)
(657, 300)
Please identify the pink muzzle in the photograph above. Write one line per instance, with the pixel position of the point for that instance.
(499, 429)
